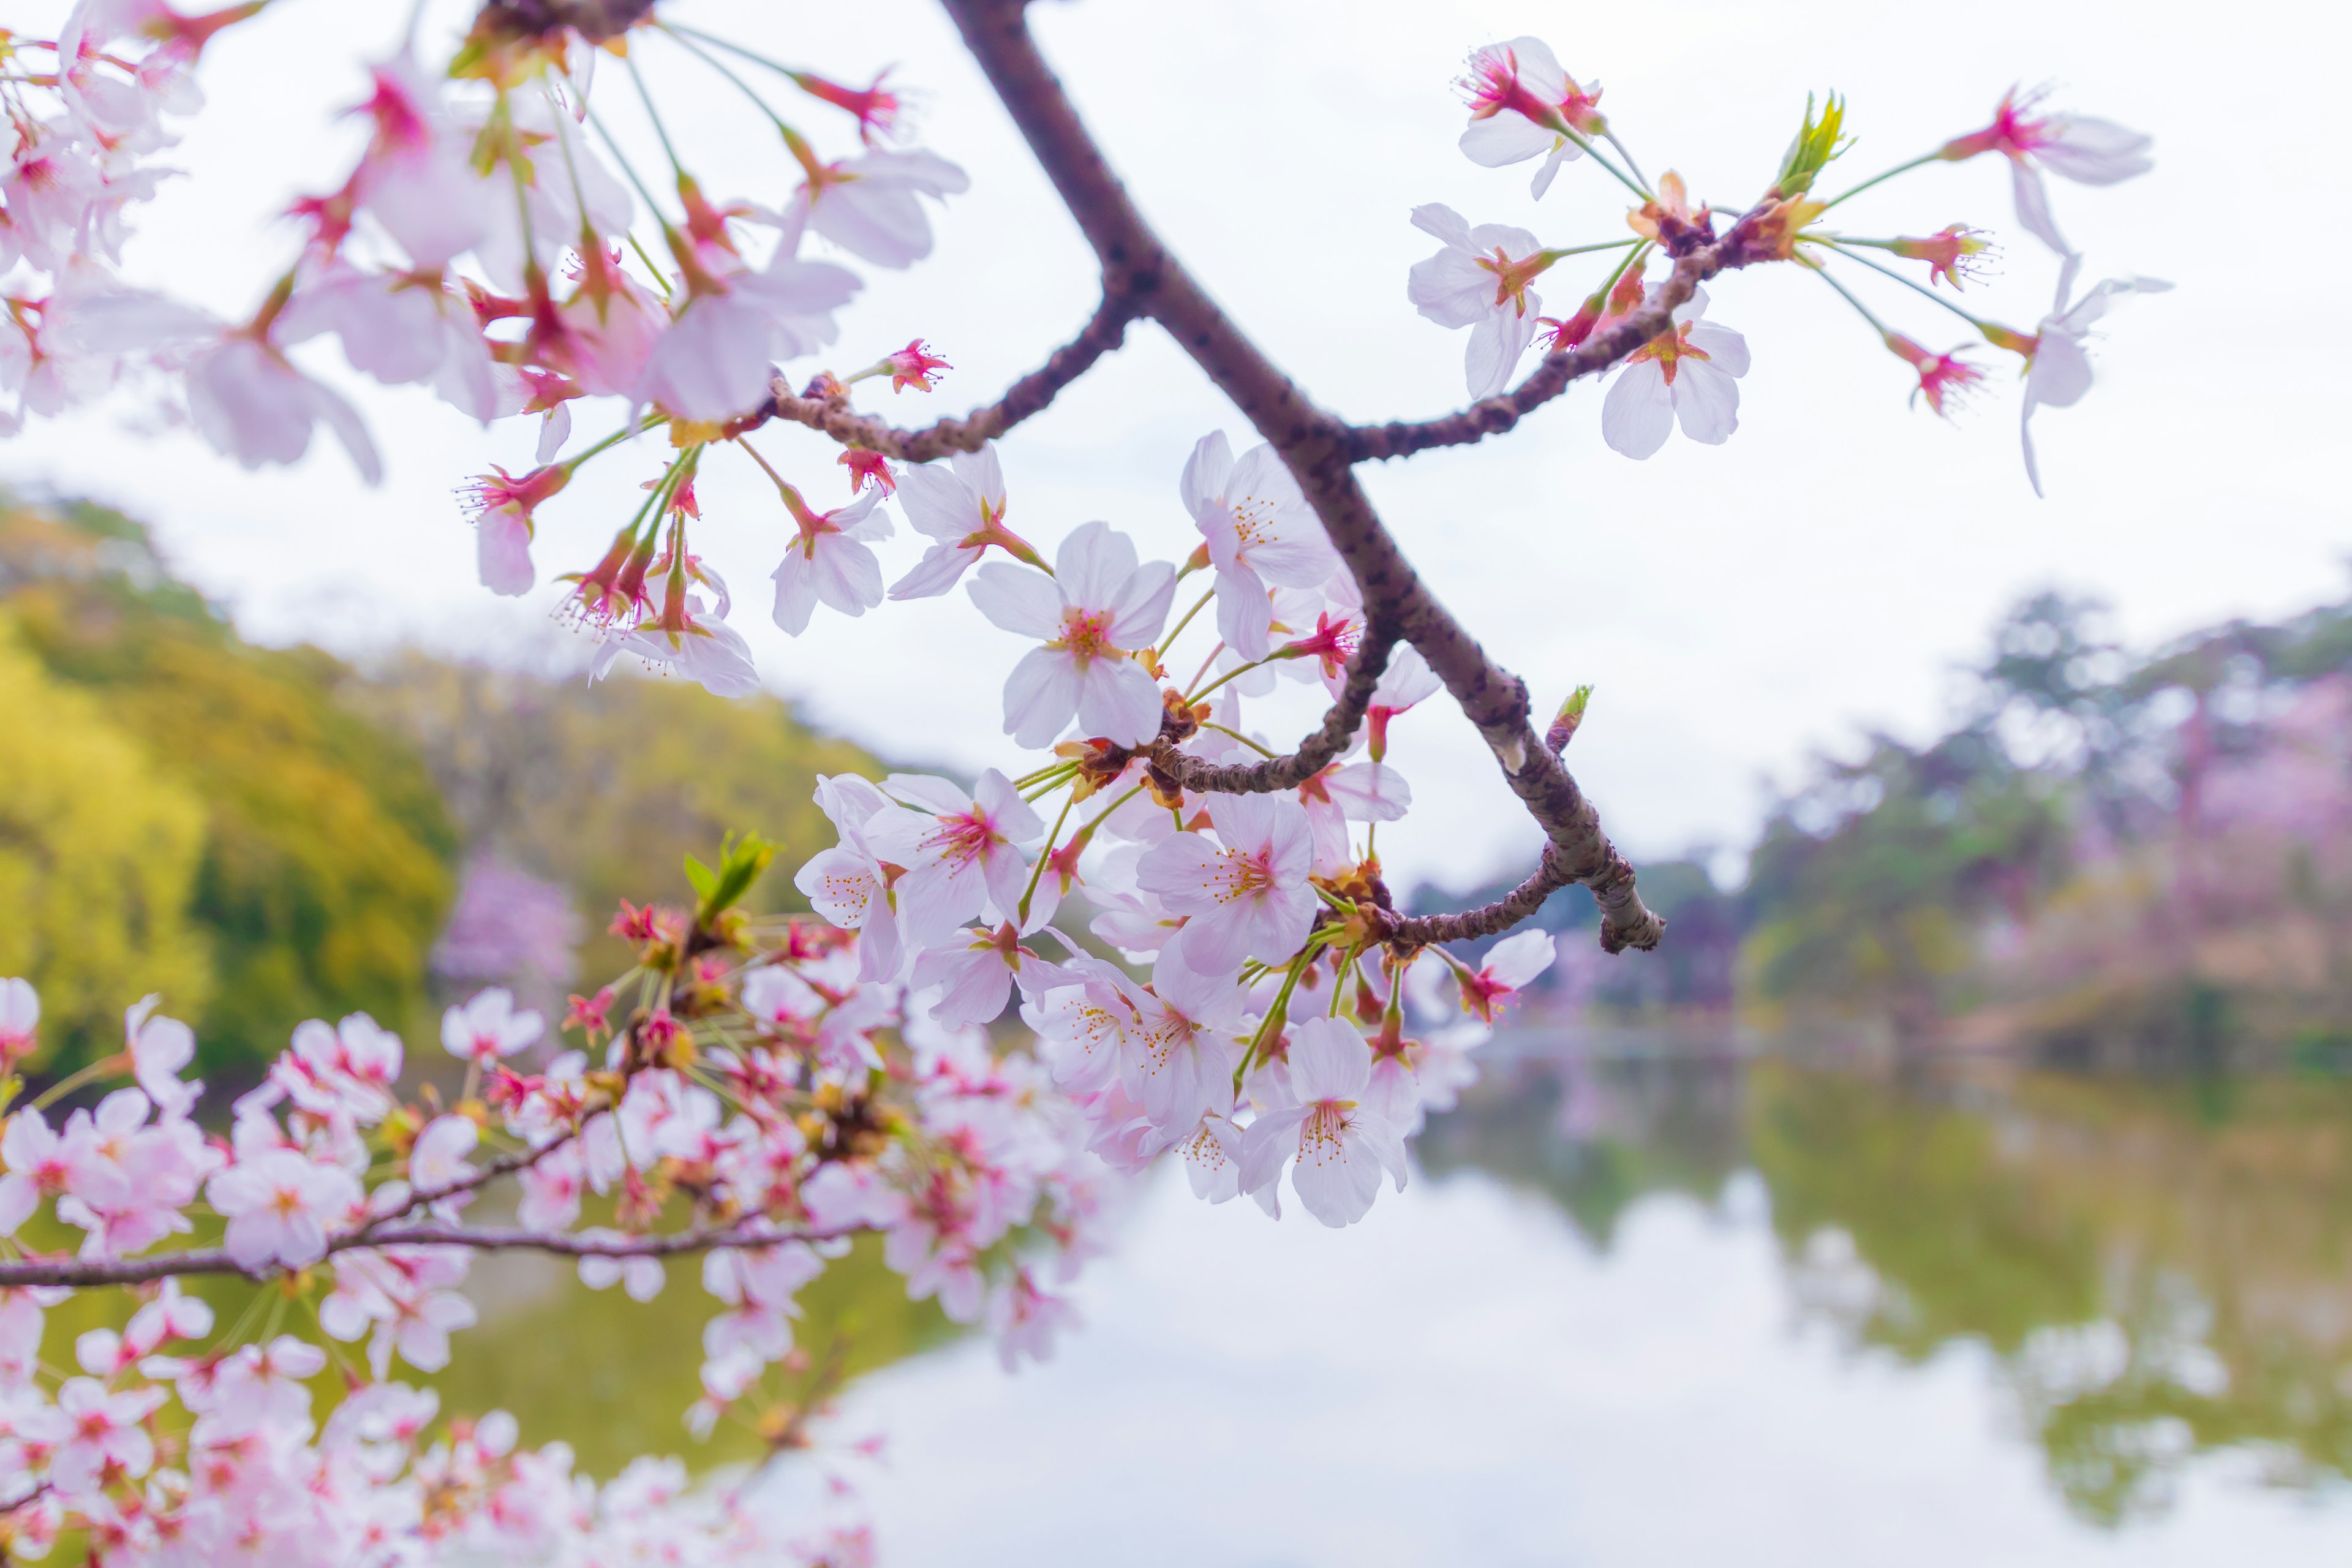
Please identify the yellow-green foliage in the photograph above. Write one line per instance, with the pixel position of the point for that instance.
(606, 788)
(99, 854)
(325, 851)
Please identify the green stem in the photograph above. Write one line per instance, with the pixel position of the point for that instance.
(1272, 1024)
(1062, 775)
(1861, 309)
(1170, 641)
(1908, 283)
(74, 1080)
(1021, 915)
(678, 36)
(1589, 249)
(1875, 179)
(661, 130)
(1622, 152)
(1229, 675)
(1595, 155)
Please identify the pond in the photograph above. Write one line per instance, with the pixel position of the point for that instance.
(1630, 1312)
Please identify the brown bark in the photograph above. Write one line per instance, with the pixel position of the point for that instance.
(1143, 279)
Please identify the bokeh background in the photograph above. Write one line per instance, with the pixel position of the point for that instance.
(1968, 1177)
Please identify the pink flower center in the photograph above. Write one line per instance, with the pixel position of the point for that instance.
(1086, 633)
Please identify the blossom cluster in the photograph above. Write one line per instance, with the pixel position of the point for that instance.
(740, 1098)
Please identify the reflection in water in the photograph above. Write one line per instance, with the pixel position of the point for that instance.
(2161, 1268)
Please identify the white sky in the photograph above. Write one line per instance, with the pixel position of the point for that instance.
(1737, 607)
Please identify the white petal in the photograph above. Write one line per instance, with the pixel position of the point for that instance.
(1020, 599)
(1706, 401)
(1638, 414)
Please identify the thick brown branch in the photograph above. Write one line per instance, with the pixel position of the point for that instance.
(1315, 753)
(82, 1273)
(1023, 398)
(1612, 888)
(1316, 448)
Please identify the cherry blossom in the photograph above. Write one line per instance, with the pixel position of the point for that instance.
(1096, 612)
(713, 362)
(279, 1205)
(1246, 892)
(490, 1026)
(1345, 792)
(1406, 682)
(251, 403)
(1687, 373)
(831, 563)
(161, 1049)
(2058, 361)
(92, 1430)
(1260, 534)
(2077, 147)
(1341, 1143)
(848, 884)
(20, 1019)
(960, 506)
(977, 977)
(1511, 965)
(961, 851)
(1522, 106)
(867, 204)
(1480, 281)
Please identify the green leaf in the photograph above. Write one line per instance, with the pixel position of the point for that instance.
(703, 877)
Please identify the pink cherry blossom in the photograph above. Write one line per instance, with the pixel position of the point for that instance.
(255, 407)
(399, 328)
(641, 1277)
(1096, 610)
(714, 360)
(867, 204)
(961, 851)
(977, 976)
(1480, 281)
(161, 1049)
(1688, 373)
(1405, 682)
(39, 1168)
(1260, 533)
(20, 1020)
(93, 1430)
(1512, 964)
(490, 1026)
(1521, 104)
(960, 506)
(1345, 792)
(1246, 892)
(347, 1069)
(1176, 1058)
(848, 884)
(279, 1206)
(2077, 147)
(831, 561)
(1341, 1143)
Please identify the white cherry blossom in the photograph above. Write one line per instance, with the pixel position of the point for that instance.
(1688, 373)
(1096, 610)
(1245, 893)
(1261, 534)
(2058, 369)
(1480, 281)
(1342, 1145)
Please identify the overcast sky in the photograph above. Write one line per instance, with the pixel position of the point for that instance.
(1737, 607)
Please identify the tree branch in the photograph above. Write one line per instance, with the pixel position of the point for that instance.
(1315, 753)
(84, 1272)
(1497, 415)
(1318, 449)
(1023, 398)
